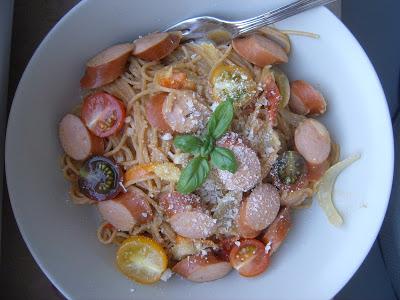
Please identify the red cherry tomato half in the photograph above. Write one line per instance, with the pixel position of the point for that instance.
(249, 257)
(225, 247)
(271, 92)
(103, 114)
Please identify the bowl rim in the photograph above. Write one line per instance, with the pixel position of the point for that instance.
(387, 123)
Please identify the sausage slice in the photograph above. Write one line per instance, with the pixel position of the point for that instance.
(248, 173)
(173, 203)
(185, 112)
(193, 224)
(154, 112)
(305, 99)
(76, 139)
(278, 230)
(260, 208)
(259, 50)
(156, 46)
(199, 268)
(106, 66)
(313, 141)
(127, 210)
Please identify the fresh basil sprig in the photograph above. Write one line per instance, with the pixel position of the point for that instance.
(193, 175)
(221, 119)
(188, 143)
(196, 172)
(224, 159)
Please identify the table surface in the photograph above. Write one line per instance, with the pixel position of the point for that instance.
(21, 277)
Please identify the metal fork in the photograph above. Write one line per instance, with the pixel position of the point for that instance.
(201, 27)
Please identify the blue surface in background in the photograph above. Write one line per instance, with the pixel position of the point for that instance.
(376, 25)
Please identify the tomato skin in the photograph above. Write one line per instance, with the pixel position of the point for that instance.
(271, 92)
(315, 172)
(103, 114)
(277, 232)
(176, 79)
(225, 247)
(249, 258)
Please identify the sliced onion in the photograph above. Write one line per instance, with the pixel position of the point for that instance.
(277, 36)
(291, 118)
(325, 189)
(283, 84)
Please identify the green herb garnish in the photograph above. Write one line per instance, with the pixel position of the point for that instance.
(204, 150)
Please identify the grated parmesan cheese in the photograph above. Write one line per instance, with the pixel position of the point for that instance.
(167, 274)
(268, 247)
(166, 137)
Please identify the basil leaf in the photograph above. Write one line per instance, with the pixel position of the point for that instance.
(193, 175)
(208, 146)
(188, 143)
(221, 119)
(224, 159)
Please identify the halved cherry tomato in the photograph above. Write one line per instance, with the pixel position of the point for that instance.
(100, 178)
(277, 232)
(271, 92)
(175, 79)
(142, 259)
(290, 171)
(108, 226)
(154, 113)
(315, 172)
(232, 82)
(103, 114)
(225, 247)
(249, 258)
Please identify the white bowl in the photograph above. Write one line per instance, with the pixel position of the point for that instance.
(317, 259)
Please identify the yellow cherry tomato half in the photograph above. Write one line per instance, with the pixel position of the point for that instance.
(234, 82)
(142, 259)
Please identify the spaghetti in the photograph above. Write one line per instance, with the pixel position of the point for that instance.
(151, 162)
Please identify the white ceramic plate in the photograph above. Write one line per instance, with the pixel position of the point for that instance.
(317, 259)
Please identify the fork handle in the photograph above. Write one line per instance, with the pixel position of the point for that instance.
(278, 14)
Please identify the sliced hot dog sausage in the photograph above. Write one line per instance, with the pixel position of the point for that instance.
(245, 231)
(173, 203)
(193, 224)
(76, 139)
(202, 268)
(305, 99)
(248, 173)
(154, 112)
(313, 141)
(296, 197)
(127, 210)
(156, 46)
(259, 50)
(260, 208)
(185, 112)
(278, 230)
(106, 66)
